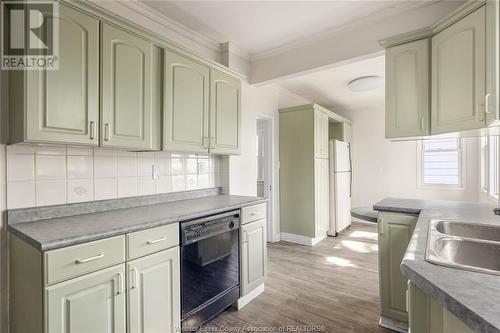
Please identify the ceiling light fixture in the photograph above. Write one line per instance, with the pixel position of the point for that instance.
(366, 83)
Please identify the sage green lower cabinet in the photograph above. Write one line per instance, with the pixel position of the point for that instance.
(428, 316)
(154, 293)
(60, 106)
(253, 255)
(130, 103)
(91, 303)
(395, 231)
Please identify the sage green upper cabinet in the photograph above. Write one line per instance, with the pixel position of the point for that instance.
(407, 89)
(60, 106)
(154, 293)
(253, 255)
(225, 117)
(187, 93)
(130, 102)
(459, 75)
(395, 231)
(92, 303)
(321, 140)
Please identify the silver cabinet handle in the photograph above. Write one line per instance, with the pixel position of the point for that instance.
(119, 284)
(92, 130)
(133, 278)
(83, 261)
(150, 242)
(106, 132)
(487, 104)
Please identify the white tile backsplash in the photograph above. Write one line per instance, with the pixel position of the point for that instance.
(127, 187)
(50, 192)
(80, 190)
(80, 167)
(105, 188)
(50, 174)
(21, 168)
(50, 167)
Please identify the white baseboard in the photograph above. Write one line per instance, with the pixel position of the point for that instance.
(249, 297)
(302, 240)
(393, 324)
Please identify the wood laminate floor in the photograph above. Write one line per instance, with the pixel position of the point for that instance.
(332, 286)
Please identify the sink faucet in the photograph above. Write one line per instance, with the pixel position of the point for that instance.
(496, 211)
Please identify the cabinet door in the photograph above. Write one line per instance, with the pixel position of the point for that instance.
(128, 64)
(63, 105)
(154, 293)
(407, 69)
(428, 316)
(253, 255)
(225, 121)
(91, 303)
(459, 75)
(395, 231)
(320, 134)
(492, 55)
(186, 104)
(321, 195)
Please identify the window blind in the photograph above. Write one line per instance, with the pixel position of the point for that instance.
(441, 162)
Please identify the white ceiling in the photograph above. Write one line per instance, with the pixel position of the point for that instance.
(259, 26)
(329, 87)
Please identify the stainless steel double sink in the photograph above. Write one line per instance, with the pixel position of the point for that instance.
(467, 246)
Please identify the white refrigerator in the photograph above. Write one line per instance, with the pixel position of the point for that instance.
(340, 186)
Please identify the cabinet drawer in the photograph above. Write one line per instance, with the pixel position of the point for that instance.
(148, 241)
(68, 262)
(253, 213)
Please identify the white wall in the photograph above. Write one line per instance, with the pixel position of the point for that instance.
(389, 169)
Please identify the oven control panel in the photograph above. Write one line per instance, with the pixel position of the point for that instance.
(192, 231)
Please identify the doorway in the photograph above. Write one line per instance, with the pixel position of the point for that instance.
(265, 174)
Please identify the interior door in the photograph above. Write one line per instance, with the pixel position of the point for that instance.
(63, 105)
(154, 293)
(91, 303)
(459, 75)
(225, 116)
(187, 93)
(127, 96)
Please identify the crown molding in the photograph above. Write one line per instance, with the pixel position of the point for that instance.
(362, 22)
(171, 24)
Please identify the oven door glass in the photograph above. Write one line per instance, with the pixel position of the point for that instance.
(209, 267)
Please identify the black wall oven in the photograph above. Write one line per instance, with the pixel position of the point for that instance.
(210, 267)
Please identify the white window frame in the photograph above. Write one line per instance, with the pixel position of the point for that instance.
(462, 172)
(484, 147)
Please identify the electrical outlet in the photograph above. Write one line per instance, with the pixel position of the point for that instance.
(156, 172)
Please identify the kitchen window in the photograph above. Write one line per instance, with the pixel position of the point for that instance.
(441, 164)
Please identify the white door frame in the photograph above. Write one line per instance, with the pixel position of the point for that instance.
(270, 187)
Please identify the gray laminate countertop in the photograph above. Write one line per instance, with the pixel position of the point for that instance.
(472, 297)
(50, 234)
